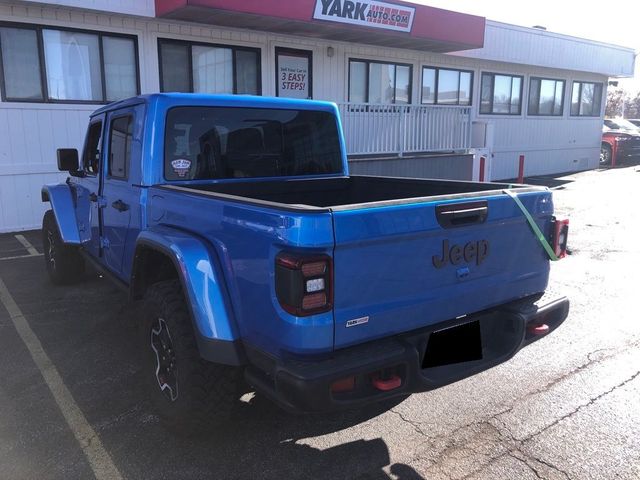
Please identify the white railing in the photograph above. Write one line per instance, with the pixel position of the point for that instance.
(400, 129)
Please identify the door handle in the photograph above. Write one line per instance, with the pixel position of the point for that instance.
(461, 214)
(99, 199)
(120, 206)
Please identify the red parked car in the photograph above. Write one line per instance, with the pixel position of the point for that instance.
(619, 137)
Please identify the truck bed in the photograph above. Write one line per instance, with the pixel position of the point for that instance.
(406, 253)
(349, 192)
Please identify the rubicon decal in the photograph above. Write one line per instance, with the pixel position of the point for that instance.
(369, 13)
(357, 321)
(471, 252)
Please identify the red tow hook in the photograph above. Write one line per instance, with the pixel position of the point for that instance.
(384, 385)
(538, 329)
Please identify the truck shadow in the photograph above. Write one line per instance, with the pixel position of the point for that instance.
(262, 441)
(90, 336)
(286, 453)
(550, 181)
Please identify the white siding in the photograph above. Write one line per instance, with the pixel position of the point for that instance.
(530, 46)
(146, 8)
(30, 133)
(29, 136)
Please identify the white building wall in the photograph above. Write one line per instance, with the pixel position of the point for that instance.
(145, 8)
(538, 47)
(30, 133)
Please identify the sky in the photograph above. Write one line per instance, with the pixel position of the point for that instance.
(616, 22)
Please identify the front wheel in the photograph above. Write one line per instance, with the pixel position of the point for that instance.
(64, 262)
(605, 154)
(189, 394)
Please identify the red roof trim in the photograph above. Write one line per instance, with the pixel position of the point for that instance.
(430, 24)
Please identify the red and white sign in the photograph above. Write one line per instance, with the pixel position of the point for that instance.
(368, 13)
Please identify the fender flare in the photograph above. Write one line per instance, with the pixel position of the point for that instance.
(205, 292)
(63, 206)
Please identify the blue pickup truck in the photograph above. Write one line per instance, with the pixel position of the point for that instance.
(257, 260)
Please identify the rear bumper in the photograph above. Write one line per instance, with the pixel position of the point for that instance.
(306, 386)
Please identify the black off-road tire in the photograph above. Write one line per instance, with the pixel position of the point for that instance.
(199, 395)
(64, 262)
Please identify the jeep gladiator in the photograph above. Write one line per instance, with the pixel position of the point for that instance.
(257, 261)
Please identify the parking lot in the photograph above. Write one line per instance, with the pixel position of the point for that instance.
(568, 407)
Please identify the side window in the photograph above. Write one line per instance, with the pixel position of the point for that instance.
(91, 155)
(501, 94)
(586, 99)
(120, 139)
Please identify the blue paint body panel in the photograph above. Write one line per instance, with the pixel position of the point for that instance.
(246, 239)
(224, 248)
(383, 258)
(201, 278)
(62, 203)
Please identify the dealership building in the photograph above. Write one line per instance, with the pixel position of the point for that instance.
(421, 91)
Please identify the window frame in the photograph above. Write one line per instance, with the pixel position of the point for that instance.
(493, 76)
(93, 121)
(562, 98)
(293, 52)
(395, 79)
(581, 83)
(127, 165)
(437, 90)
(191, 43)
(38, 28)
(338, 173)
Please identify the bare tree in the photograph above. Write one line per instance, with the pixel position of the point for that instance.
(632, 107)
(615, 100)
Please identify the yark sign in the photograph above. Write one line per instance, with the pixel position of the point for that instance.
(368, 13)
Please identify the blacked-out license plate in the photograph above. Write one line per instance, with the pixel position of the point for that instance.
(461, 343)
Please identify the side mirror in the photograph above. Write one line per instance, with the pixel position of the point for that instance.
(68, 160)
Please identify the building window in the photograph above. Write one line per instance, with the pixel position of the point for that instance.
(501, 94)
(586, 99)
(379, 82)
(546, 96)
(206, 68)
(444, 86)
(42, 64)
(120, 139)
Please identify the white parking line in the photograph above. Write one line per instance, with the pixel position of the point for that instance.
(21, 256)
(99, 459)
(27, 244)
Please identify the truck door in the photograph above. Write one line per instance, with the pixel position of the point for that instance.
(118, 195)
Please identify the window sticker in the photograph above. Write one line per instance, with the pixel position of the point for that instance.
(181, 166)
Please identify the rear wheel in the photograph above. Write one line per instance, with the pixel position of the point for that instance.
(64, 263)
(189, 394)
(605, 154)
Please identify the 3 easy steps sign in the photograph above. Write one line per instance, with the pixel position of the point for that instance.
(368, 13)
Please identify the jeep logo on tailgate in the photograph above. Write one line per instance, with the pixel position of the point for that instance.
(477, 251)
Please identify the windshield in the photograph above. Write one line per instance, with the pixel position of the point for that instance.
(621, 124)
(229, 142)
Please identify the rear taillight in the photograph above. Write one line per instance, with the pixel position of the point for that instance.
(304, 283)
(560, 235)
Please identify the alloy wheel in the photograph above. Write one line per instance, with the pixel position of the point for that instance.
(165, 368)
(51, 249)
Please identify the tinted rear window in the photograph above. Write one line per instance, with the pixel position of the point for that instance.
(221, 142)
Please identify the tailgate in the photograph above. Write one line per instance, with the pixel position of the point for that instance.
(402, 267)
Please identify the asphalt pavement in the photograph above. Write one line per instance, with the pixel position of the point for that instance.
(567, 407)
